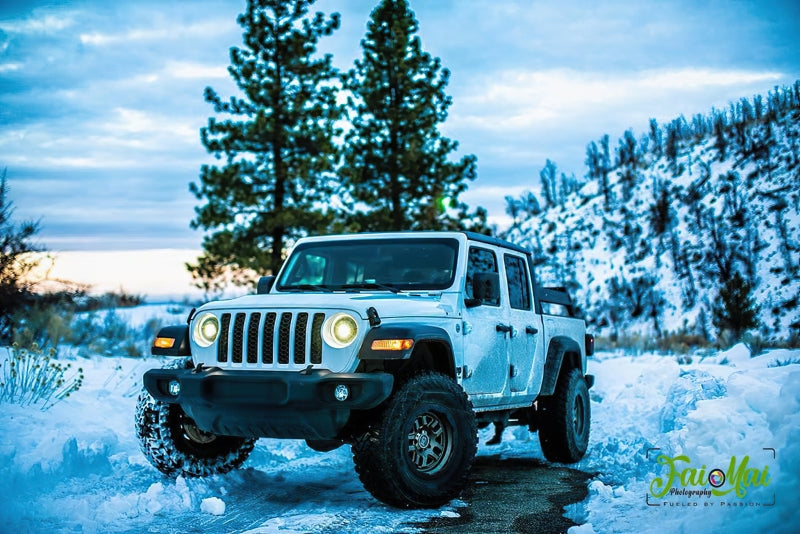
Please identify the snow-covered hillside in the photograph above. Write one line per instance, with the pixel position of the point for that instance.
(666, 221)
(77, 467)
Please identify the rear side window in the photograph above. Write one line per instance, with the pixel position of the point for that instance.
(480, 260)
(519, 290)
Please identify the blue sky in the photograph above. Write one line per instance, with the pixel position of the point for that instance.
(101, 102)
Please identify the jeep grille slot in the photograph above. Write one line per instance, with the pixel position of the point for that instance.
(222, 345)
(252, 338)
(316, 338)
(270, 338)
(300, 338)
(238, 337)
(284, 332)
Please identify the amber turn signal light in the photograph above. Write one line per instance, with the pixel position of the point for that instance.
(392, 344)
(164, 342)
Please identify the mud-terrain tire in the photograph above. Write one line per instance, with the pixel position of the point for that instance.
(175, 446)
(565, 418)
(420, 451)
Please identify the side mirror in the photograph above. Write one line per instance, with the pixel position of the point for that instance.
(265, 283)
(485, 289)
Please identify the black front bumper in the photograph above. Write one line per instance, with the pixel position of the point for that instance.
(273, 404)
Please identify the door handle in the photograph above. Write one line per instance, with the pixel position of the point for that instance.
(504, 328)
(531, 330)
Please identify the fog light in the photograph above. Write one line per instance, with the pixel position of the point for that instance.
(341, 392)
(174, 388)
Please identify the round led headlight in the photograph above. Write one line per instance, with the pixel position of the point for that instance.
(206, 329)
(340, 330)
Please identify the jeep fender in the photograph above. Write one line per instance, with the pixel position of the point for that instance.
(418, 333)
(562, 352)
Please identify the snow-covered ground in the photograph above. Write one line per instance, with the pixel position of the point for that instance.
(77, 467)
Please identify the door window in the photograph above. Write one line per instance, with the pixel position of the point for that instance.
(480, 260)
(519, 291)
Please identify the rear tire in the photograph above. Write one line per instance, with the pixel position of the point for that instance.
(420, 452)
(565, 418)
(175, 446)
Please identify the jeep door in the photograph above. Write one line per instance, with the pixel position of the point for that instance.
(524, 350)
(485, 354)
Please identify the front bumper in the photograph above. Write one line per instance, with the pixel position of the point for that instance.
(273, 404)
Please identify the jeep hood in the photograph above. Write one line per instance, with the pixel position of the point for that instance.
(388, 305)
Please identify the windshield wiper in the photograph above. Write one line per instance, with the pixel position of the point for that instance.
(370, 285)
(306, 287)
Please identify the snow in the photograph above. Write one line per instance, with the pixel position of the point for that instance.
(213, 506)
(708, 411)
(77, 467)
(606, 249)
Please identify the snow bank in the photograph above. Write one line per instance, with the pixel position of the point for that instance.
(726, 406)
(77, 468)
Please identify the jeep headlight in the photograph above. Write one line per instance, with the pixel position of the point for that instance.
(340, 330)
(206, 329)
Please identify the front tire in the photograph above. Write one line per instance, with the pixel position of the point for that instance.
(174, 444)
(565, 419)
(420, 453)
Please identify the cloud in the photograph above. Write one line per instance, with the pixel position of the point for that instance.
(691, 79)
(195, 71)
(38, 24)
(493, 199)
(516, 100)
(164, 31)
(122, 138)
(8, 67)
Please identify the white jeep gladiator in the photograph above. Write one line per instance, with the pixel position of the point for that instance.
(398, 344)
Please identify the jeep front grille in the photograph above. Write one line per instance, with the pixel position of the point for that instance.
(266, 338)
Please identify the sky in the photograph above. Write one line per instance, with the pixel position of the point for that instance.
(101, 103)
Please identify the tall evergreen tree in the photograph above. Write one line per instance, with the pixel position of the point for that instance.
(276, 144)
(396, 161)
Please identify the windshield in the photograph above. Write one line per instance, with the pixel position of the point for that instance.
(383, 264)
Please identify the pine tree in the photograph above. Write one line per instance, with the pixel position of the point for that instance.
(396, 161)
(671, 147)
(549, 187)
(15, 262)
(598, 161)
(627, 164)
(523, 208)
(736, 310)
(275, 142)
(655, 138)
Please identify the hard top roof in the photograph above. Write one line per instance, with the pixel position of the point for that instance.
(472, 236)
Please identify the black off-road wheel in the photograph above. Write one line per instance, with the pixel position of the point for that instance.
(565, 418)
(420, 453)
(174, 444)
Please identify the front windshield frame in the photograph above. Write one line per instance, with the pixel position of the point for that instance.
(379, 264)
